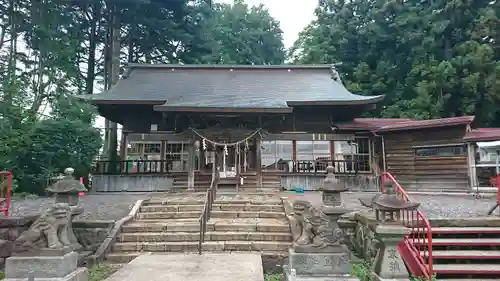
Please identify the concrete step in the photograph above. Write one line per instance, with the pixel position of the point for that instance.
(247, 207)
(249, 227)
(192, 246)
(121, 257)
(171, 208)
(126, 257)
(247, 236)
(465, 242)
(262, 201)
(468, 279)
(247, 214)
(469, 269)
(209, 236)
(140, 226)
(465, 230)
(159, 236)
(169, 215)
(174, 201)
(466, 254)
(175, 220)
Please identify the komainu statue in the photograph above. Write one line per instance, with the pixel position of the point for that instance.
(312, 231)
(48, 235)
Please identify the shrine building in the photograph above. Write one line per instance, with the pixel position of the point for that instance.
(270, 127)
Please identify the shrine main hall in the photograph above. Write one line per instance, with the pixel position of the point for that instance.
(263, 126)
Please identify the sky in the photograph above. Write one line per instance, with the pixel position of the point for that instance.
(292, 17)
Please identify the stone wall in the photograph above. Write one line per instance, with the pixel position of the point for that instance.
(137, 183)
(91, 234)
(311, 182)
(10, 229)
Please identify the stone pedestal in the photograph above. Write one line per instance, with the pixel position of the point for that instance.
(45, 268)
(388, 263)
(319, 266)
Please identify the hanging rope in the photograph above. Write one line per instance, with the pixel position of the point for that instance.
(214, 143)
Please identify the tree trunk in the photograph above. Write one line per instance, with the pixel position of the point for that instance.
(96, 16)
(114, 76)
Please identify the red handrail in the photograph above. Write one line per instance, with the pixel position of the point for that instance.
(498, 189)
(419, 241)
(5, 190)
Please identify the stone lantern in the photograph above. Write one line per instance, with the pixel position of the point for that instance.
(67, 189)
(332, 190)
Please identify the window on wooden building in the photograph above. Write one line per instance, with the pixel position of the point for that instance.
(352, 156)
(152, 148)
(177, 155)
(441, 151)
(274, 151)
(312, 150)
(134, 149)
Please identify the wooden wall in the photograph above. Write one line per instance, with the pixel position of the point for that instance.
(429, 173)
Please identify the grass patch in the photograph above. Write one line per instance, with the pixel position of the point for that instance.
(100, 272)
(362, 270)
(274, 277)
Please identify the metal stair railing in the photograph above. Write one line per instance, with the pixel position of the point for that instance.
(418, 244)
(207, 208)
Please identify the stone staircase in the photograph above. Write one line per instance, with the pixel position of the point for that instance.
(239, 222)
(162, 225)
(202, 182)
(470, 253)
(270, 182)
(255, 223)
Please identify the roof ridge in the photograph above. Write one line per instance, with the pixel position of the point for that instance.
(229, 66)
(418, 124)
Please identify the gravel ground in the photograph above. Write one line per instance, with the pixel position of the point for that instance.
(113, 206)
(104, 206)
(431, 205)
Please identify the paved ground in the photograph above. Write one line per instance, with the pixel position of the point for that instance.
(192, 267)
(113, 206)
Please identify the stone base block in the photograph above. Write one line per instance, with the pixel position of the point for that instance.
(331, 277)
(41, 266)
(310, 264)
(375, 277)
(80, 274)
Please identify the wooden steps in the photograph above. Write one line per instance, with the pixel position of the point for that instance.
(466, 253)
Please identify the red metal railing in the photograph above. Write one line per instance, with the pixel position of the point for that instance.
(416, 249)
(498, 190)
(5, 189)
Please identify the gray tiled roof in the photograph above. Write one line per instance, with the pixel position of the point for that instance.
(229, 86)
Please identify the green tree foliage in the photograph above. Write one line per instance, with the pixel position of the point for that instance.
(53, 49)
(430, 58)
(246, 35)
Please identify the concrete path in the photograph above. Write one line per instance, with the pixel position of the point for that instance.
(192, 267)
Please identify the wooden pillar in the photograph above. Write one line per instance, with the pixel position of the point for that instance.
(471, 161)
(258, 161)
(191, 166)
(163, 157)
(123, 152)
(332, 150)
(124, 146)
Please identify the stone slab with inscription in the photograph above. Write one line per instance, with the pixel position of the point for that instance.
(319, 264)
(53, 268)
